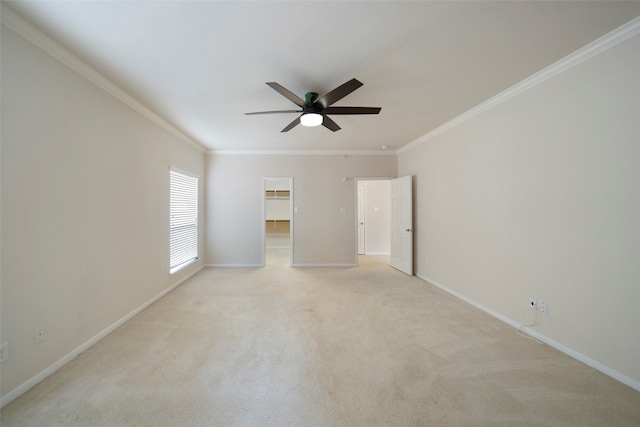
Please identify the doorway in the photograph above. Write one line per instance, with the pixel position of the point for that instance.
(373, 217)
(277, 221)
(384, 221)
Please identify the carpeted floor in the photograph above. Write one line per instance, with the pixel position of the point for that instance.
(280, 346)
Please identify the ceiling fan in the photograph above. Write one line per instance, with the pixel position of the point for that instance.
(315, 109)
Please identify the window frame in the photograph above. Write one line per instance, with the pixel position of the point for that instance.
(187, 240)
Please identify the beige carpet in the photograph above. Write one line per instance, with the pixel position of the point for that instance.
(278, 346)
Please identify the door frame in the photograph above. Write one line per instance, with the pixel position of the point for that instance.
(355, 219)
(263, 216)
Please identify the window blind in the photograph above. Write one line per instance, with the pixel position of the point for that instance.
(183, 222)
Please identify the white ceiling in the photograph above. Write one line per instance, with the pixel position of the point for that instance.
(202, 65)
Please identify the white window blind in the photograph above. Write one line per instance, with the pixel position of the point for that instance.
(183, 222)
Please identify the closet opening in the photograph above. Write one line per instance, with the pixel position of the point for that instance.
(277, 223)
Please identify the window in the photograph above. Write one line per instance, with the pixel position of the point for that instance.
(183, 220)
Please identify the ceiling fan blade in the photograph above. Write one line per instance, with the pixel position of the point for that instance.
(291, 125)
(273, 112)
(330, 124)
(339, 92)
(286, 93)
(352, 110)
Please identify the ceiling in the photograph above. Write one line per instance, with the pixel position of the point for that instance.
(202, 65)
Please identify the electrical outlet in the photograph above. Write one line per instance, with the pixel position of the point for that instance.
(4, 352)
(38, 335)
(532, 303)
(543, 307)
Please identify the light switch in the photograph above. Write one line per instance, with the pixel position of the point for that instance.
(295, 209)
(343, 210)
(375, 209)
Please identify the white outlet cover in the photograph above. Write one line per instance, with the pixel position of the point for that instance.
(543, 307)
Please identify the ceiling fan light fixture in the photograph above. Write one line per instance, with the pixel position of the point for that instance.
(311, 119)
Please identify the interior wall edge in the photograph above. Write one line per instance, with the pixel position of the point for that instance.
(25, 386)
(605, 42)
(29, 32)
(300, 153)
(601, 367)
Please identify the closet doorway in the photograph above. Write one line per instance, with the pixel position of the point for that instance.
(277, 221)
(373, 207)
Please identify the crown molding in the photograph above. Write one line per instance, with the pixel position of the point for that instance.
(301, 152)
(29, 32)
(605, 42)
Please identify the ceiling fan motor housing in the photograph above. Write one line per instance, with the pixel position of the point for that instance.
(313, 108)
(310, 104)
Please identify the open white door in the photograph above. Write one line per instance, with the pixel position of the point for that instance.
(361, 225)
(402, 224)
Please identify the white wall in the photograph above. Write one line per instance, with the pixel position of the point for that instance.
(85, 183)
(321, 231)
(377, 212)
(540, 197)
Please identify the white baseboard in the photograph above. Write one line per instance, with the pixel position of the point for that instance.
(458, 295)
(234, 265)
(262, 265)
(324, 265)
(22, 388)
(558, 346)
